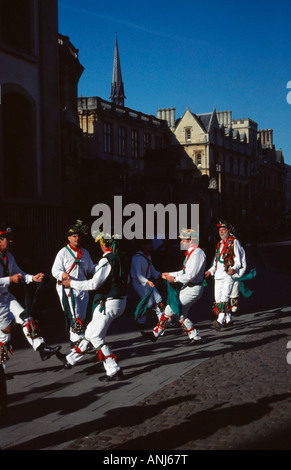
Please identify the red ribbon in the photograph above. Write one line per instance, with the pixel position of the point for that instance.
(224, 243)
(79, 256)
(105, 357)
(188, 256)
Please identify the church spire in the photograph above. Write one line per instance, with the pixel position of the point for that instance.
(117, 88)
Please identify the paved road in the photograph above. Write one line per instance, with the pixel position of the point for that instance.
(232, 392)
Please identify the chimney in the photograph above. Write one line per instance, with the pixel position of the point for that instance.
(168, 114)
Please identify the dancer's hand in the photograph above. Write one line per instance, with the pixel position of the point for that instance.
(38, 277)
(151, 284)
(16, 278)
(66, 282)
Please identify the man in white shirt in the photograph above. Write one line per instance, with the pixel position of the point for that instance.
(11, 311)
(73, 262)
(227, 262)
(110, 283)
(142, 272)
(191, 277)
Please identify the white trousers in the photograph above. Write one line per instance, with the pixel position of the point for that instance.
(96, 332)
(222, 291)
(10, 310)
(79, 311)
(235, 291)
(188, 296)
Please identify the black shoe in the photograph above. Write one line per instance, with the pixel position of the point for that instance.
(140, 326)
(149, 335)
(63, 359)
(216, 325)
(228, 324)
(196, 341)
(47, 351)
(116, 377)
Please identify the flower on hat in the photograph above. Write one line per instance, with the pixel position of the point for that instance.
(79, 227)
(188, 233)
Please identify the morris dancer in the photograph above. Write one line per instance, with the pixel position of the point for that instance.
(73, 261)
(142, 272)
(226, 263)
(10, 309)
(110, 281)
(191, 277)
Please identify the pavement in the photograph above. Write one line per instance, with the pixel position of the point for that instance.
(232, 392)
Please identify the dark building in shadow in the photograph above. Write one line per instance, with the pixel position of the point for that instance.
(39, 128)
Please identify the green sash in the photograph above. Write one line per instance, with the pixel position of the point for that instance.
(142, 306)
(77, 261)
(69, 316)
(29, 304)
(173, 299)
(246, 292)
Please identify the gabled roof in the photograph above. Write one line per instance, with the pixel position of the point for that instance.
(179, 121)
(204, 121)
(208, 119)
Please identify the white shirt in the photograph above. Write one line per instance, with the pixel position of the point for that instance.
(194, 268)
(243, 267)
(64, 261)
(13, 268)
(218, 269)
(142, 268)
(102, 272)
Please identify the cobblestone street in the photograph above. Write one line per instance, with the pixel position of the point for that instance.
(233, 392)
(240, 399)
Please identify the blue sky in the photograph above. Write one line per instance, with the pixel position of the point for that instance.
(222, 54)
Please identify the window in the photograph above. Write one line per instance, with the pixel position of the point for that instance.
(246, 191)
(188, 134)
(18, 145)
(231, 167)
(122, 141)
(246, 166)
(159, 142)
(199, 161)
(107, 130)
(134, 143)
(16, 24)
(147, 141)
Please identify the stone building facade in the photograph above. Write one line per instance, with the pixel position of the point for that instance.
(229, 167)
(245, 172)
(70, 71)
(118, 143)
(123, 149)
(36, 113)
